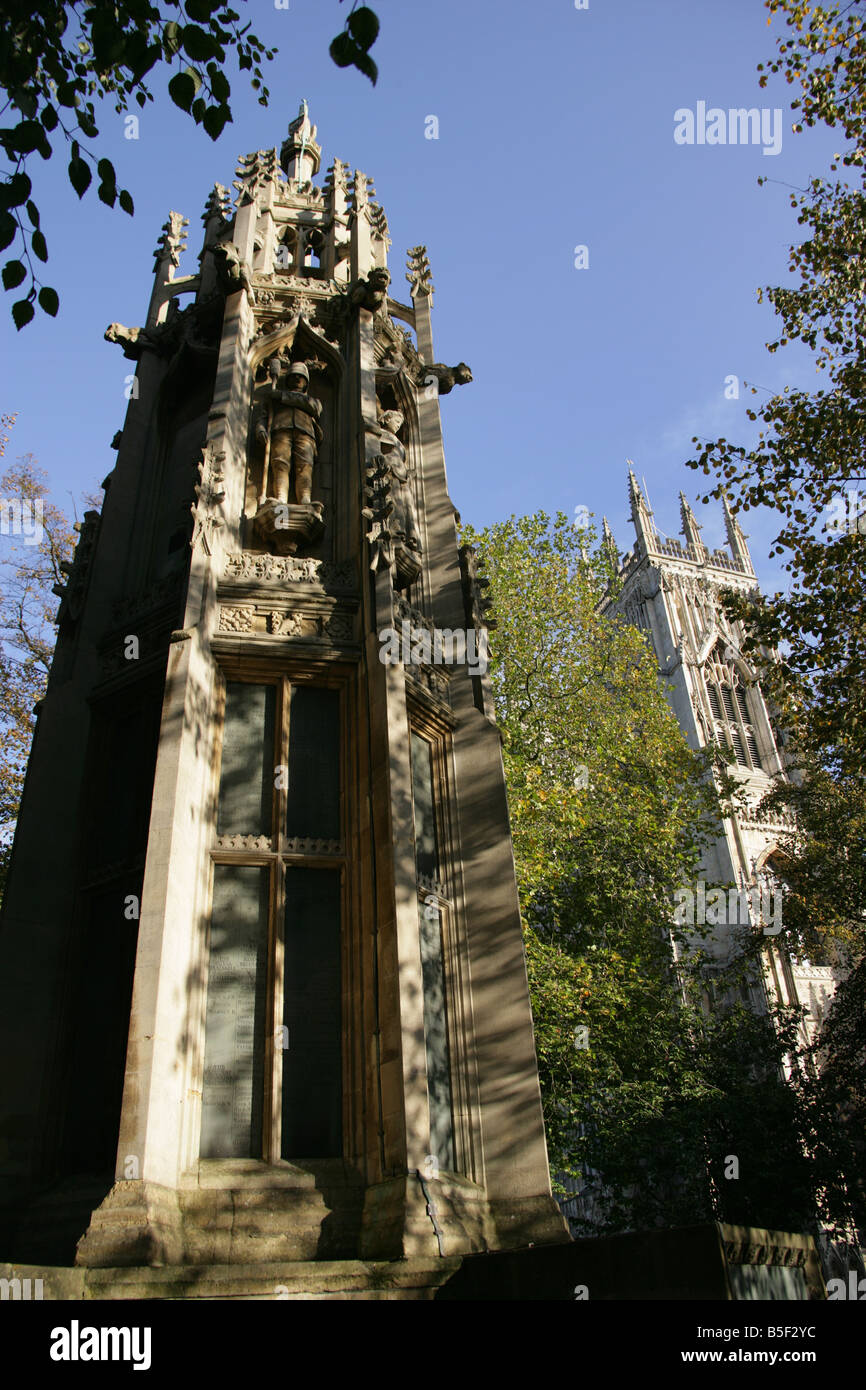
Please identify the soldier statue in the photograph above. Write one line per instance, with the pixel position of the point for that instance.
(288, 426)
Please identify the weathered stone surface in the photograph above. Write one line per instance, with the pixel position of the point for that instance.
(384, 1087)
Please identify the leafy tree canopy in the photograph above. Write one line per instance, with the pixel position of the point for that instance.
(645, 1091)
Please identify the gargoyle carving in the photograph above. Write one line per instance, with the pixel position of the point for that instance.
(132, 340)
(447, 377)
(232, 274)
(372, 292)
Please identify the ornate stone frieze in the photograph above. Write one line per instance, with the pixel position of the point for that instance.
(282, 569)
(246, 842)
(280, 305)
(284, 624)
(236, 619)
(316, 622)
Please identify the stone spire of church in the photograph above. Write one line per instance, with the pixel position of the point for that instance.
(608, 543)
(736, 538)
(691, 529)
(640, 512)
(300, 155)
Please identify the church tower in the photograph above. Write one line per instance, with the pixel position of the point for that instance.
(671, 589)
(270, 970)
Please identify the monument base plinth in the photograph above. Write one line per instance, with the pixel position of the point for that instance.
(283, 526)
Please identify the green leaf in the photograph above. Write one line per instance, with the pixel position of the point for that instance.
(363, 26)
(66, 93)
(40, 250)
(22, 313)
(219, 85)
(143, 65)
(182, 89)
(33, 213)
(79, 175)
(25, 137)
(26, 103)
(125, 200)
(214, 120)
(107, 193)
(105, 169)
(49, 300)
(202, 9)
(49, 117)
(13, 273)
(344, 50)
(365, 63)
(199, 45)
(8, 228)
(87, 124)
(15, 191)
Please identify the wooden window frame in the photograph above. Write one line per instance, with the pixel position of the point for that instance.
(276, 859)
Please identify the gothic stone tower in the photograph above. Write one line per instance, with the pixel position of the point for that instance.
(671, 591)
(320, 1044)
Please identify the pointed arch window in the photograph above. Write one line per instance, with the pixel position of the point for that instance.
(729, 704)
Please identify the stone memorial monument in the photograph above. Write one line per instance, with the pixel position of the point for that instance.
(264, 1004)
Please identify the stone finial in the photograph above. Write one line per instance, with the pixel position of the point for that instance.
(254, 171)
(640, 510)
(336, 177)
(418, 272)
(361, 190)
(172, 241)
(300, 155)
(690, 528)
(218, 205)
(608, 543)
(736, 538)
(379, 222)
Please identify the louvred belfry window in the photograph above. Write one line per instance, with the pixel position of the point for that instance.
(272, 1085)
(729, 705)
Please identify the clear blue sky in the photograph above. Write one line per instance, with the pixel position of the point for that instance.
(556, 129)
